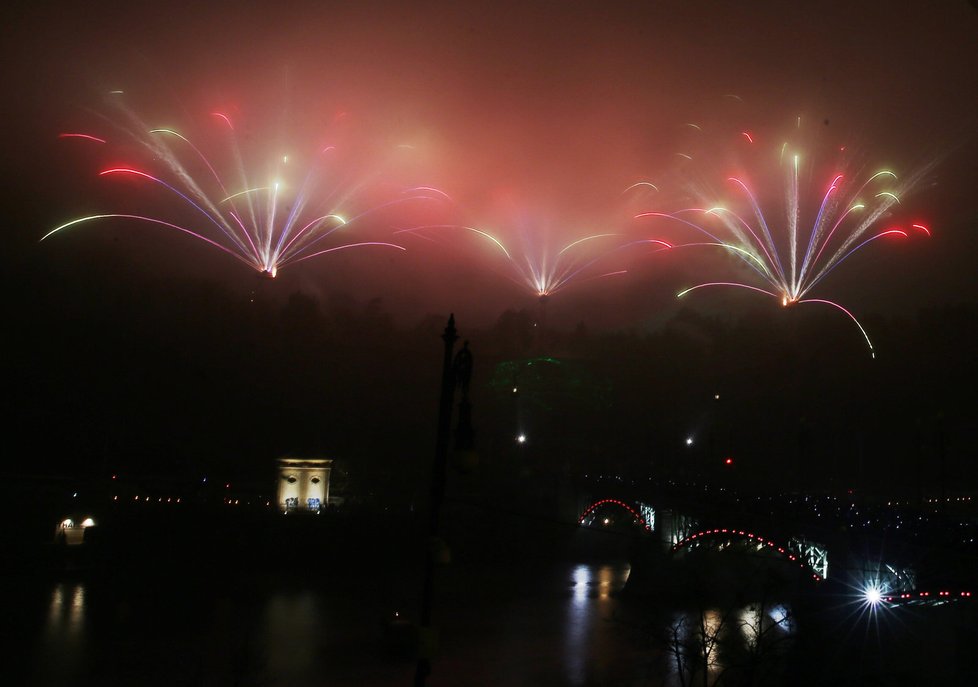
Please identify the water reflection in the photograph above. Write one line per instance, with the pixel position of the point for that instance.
(711, 624)
(559, 625)
(592, 587)
(781, 615)
(66, 610)
(291, 634)
(62, 644)
(705, 644)
(750, 625)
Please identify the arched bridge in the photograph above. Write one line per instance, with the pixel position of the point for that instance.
(810, 557)
(678, 531)
(642, 514)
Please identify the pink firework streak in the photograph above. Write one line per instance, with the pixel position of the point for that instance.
(283, 217)
(790, 260)
(535, 264)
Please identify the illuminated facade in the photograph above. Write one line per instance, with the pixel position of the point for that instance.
(303, 484)
(71, 531)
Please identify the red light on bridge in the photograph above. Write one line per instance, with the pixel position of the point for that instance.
(728, 461)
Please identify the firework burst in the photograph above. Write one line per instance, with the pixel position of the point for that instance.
(793, 251)
(269, 219)
(539, 265)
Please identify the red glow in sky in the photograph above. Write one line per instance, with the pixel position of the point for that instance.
(529, 115)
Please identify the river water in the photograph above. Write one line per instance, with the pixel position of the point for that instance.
(553, 623)
(541, 621)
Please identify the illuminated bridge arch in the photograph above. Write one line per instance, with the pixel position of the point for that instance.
(816, 568)
(636, 513)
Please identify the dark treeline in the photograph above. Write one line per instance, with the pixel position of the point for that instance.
(192, 378)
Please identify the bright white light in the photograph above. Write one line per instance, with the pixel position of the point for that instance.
(88, 522)
(606, 521)
(873, 595)
(689, 441)
(779, 614)
(521, 438)
(582, 580)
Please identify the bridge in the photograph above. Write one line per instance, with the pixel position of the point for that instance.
(884, 567)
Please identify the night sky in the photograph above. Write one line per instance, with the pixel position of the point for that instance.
(136, 348)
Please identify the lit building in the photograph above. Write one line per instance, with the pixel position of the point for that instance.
(303, 484)
(71, 531)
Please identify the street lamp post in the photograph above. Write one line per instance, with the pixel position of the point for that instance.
(456, 372)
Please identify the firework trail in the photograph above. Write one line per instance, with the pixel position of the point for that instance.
(267, 219)
(793, 251)
(538, 266)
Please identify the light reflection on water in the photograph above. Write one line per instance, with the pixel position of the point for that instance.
(719, 640)
(290, 634)
(63, 638)
(589, 607)
(66, 610)
(560, 624)
(711, 623)
(549, 623)
(750, 621)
